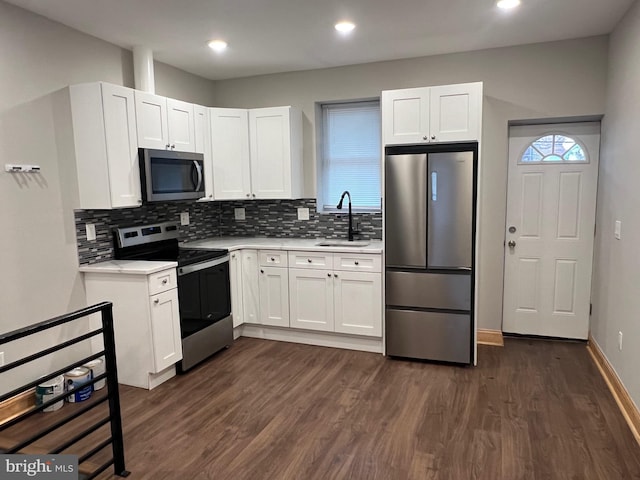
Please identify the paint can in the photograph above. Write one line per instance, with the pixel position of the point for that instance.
(97, 368)
(48, 390)
(76, 378)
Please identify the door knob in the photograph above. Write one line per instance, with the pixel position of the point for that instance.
(512, 244)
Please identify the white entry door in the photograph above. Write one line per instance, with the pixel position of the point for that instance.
(551, 204)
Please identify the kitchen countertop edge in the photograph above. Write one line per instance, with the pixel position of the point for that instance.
(132, 267)
(270, 243)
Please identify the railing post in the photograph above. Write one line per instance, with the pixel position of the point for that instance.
(114, 395)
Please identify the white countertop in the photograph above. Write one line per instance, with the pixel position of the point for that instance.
(271, 243)
(134, 267)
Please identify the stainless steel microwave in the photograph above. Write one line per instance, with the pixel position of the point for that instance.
(168, 175)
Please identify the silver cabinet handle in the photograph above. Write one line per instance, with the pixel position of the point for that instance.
(356, 262)
(335, 275)
(309, 260)
(248, 195)
(273, 259)
(172, 147)
(433, 137)
(164, 282)
(329, 275)
(254, 195)
(511, 244)
(156, 301)
(167, 146)
(425, 138)
(261, 271)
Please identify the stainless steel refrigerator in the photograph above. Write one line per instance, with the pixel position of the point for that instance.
(429, 251)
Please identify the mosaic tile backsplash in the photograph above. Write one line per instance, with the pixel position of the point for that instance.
(263, 218)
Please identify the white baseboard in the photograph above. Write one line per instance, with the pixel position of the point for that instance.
(308, 337)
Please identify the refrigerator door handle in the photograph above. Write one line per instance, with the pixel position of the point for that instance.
(434, 186)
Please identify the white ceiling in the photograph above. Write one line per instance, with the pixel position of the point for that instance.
(269, 36)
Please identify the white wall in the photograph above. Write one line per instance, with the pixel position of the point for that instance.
(616, 303)
(559, 79)
(38, 257)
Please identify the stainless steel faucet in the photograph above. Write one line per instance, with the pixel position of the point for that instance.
(339, 207)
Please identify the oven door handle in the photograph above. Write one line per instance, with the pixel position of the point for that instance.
(202, 265)
(198, 183)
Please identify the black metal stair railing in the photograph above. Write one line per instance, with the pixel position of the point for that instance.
(112, 396)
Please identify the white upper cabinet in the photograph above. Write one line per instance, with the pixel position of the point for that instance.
(256, 153)
(231, 168)
(106, 145)
(276, 162)
(448, 113)
(164, 123)
(203, 145)
(405, 115)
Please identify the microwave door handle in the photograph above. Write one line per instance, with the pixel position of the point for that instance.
(199, 170)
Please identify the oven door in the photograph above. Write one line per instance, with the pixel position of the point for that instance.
(169, 175)
(203, 294)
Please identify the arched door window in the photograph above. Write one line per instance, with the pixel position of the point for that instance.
(554, 148)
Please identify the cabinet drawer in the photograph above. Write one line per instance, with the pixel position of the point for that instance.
(162, 281)
(357, 263)
(273, 258)
(319, 260)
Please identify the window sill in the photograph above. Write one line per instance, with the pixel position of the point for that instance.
(345, 211)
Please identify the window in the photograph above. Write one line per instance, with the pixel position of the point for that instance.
(351, 154)
(555, 148)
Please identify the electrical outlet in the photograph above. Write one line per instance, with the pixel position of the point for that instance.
(1, 359)
(617, 230)
(91, 231)
(184, 218)
(620, 341)
(303, 213)
(239, 213)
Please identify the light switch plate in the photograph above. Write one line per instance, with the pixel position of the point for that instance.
(1, 359)
(239, 213)
(618, 228)
(184, 218)
(91, 232)
(303, 213)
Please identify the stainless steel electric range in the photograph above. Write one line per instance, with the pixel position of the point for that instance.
(206, 325)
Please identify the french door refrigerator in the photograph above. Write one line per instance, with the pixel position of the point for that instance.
(429, 238)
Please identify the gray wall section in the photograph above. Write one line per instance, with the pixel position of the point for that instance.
(616, 303)
(38, 249)
(547, 80)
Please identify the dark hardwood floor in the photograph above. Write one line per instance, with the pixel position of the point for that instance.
(268, 410)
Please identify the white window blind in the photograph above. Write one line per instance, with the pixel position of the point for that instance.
(351, 154)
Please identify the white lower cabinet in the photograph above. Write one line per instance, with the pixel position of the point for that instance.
(274, 296)
(311, 299)
(320, 291)
(357, 302)
(336, 292)
(250, 286)
(146, 323)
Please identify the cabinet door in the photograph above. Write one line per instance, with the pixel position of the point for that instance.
(165, 330)
(122, 145)
(456, 112)
(230, 153)
(311, 299)
(203, 145)
(250, 288)
(181, 126)
(358, 303)
(405, 116)
(235, 277)
(274, 296)
(151, 120)
(270, 141)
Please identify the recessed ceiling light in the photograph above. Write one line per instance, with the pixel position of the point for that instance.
(345, 27)
(507, 4)
(217, 45)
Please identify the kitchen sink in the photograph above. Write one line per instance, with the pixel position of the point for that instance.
(342, 243)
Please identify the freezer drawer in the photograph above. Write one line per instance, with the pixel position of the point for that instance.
(428, 290)
(444, 337)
